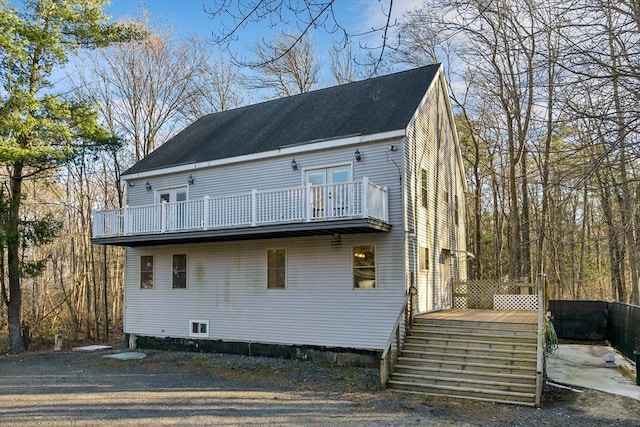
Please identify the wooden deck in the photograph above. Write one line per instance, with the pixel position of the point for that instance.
(483, 315)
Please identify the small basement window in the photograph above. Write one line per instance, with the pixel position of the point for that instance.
(199, 328)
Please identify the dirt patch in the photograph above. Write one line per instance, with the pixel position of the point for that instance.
(174, 388)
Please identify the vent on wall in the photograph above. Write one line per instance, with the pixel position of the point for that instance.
(199, 328)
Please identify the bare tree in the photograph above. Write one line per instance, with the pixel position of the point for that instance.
(143, 85)
(285, 66)
(307, 16)
(219, 87)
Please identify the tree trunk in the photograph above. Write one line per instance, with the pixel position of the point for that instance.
(14, 303)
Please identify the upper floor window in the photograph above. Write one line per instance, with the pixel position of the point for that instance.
(179, 276)
(364, 266)
(146, 272)
(424, 188)
(455, 211)
(177, 194)
(276, 268)
(424, 258)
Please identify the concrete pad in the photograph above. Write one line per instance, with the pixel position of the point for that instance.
(584, 366)
(131, 355)
(92, 348)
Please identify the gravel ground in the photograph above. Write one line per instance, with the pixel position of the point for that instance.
(173, 388)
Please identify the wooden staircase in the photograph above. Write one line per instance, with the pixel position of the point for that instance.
(480, 360)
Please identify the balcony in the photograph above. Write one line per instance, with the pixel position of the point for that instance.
(350, 207)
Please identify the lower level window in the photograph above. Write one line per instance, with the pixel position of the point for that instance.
(146, 272)
(199, 328)
(179, 271)
(276, 268)
(364, 266)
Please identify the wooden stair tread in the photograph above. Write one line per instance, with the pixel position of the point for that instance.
(462, 396)
(473, 364)
(471, 351)
(460, 380)
(455, 340)
(465, 389)
(467, 372)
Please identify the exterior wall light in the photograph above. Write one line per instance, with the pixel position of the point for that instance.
(147, 186)
(191, 181)
(294, 165)
(358, 155)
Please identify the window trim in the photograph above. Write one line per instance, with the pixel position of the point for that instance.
(424, 258)
(286, 262)
(374, 285)
(173, 190)
(153, 268)
(424, 183)
(198, 322)
(186, 271)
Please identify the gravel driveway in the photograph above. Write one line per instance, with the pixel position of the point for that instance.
(172, 388)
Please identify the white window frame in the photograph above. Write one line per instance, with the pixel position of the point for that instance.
(186, 271)
(199, 323)
(424, 258)
(171, 190)
(327, 168)
(286, 262)
(375, 266)
(153, 271)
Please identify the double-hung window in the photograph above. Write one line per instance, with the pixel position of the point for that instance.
(146, 272)
(276, 268)
(423, 183)
(179, 271)
(364, 266)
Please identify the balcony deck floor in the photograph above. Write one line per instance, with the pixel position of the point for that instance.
(483, 315)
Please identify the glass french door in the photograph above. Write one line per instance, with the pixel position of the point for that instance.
(329, 191)
(174, 213)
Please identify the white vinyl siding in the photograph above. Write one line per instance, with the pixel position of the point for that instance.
(227, 287)
(434, 193)
(227, 280)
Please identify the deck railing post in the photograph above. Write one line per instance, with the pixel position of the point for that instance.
(205, 213)
(163, 216)
(254, 207)
(540, 340)
(307, 198)
(385, 204)
(125, 216)
(365, 190)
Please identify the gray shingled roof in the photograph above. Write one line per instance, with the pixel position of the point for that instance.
(366, 107)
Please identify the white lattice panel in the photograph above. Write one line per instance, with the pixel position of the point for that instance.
(515, 302)
(460, 302)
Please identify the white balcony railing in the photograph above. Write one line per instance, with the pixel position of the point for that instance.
(356, 199)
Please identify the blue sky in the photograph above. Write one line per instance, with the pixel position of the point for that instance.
(187, 17)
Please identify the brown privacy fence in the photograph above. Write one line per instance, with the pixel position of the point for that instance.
(494, 295)
(615, 322)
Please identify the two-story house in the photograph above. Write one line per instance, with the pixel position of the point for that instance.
(295, 227)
